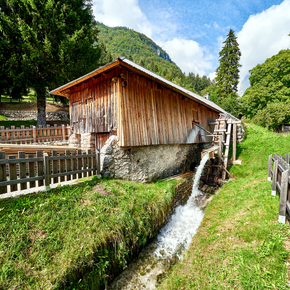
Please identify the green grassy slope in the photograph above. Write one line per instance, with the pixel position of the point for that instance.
(46, 238)
(240, 244)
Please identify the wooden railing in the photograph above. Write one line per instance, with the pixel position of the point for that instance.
(45, 169)
(279, 173)
(33, 134)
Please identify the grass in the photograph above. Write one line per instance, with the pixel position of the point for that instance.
(17, 124)
(50, 241)
(240, 244)
(2, 118)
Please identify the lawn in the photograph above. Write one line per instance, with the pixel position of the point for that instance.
(50, 241)
(240, 244)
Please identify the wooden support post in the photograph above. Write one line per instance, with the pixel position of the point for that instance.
(40, 169)
(63, 132)
(54, 166)
(68, 164)
(275, 173)
(269, 167)
(234, 142)
(22, 170)
(220, 145)
(287, 157)
(47, 172)
(283, 196)
(12, 173)
(3, 189)
(31, 168)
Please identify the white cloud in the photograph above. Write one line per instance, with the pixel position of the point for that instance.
(122, 13)
(188, 55)
(212, 75)
(264, 35)
(216, 25)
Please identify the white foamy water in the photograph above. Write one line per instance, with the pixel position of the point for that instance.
(173, 239)
(177, 234)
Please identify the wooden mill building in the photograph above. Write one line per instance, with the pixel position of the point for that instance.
(138, 106)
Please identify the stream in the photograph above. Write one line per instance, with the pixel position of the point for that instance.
(152, 264)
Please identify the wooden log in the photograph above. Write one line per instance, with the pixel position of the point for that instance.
(46, 172)
(61, 166)
(54, 166)
(269, 167)
(68, 165)
(274, 180)
(3, 189)
(283, 196)
(31, 170)
(40, 169)
(22, 170)
(12, 173)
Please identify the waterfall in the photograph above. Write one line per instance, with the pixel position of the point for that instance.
(177, 234)
(172, 240)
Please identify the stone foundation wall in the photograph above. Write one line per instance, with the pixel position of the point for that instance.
(87, 141)
(146, 163)
(32, 115)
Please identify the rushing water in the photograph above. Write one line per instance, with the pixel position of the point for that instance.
(158, 257)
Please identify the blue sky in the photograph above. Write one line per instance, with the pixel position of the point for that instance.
(192, 32)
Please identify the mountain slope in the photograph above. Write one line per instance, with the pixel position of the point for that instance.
(121, 41)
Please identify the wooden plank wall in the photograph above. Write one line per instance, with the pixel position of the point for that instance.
(151, 114)
(142, 112)
(93, 105)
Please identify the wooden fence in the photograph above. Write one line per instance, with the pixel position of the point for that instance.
(33, 134)
(45, 169)
(279, 172)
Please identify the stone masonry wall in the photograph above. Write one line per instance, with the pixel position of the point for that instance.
(32, 115)
(146, 163)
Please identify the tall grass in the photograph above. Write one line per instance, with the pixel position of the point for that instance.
(240, 244)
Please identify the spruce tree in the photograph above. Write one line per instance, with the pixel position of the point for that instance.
(227, 78)
(50, 41)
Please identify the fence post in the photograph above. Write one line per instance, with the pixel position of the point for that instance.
(283, 196)
(269, 167)
(287, 157)
(63, 132)
(34, 134)
(47, 172)
(275, 171)
(3, 189)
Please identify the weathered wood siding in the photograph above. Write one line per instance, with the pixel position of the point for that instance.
(141, 111)
(151, 114)
(93, 105)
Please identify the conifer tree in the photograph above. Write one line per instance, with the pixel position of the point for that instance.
(227, 78)
(51, 41)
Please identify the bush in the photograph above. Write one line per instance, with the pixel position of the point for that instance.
(273, 116)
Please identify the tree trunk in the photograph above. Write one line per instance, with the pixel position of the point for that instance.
(41, 108)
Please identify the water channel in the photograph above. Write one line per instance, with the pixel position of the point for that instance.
(166, 249)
